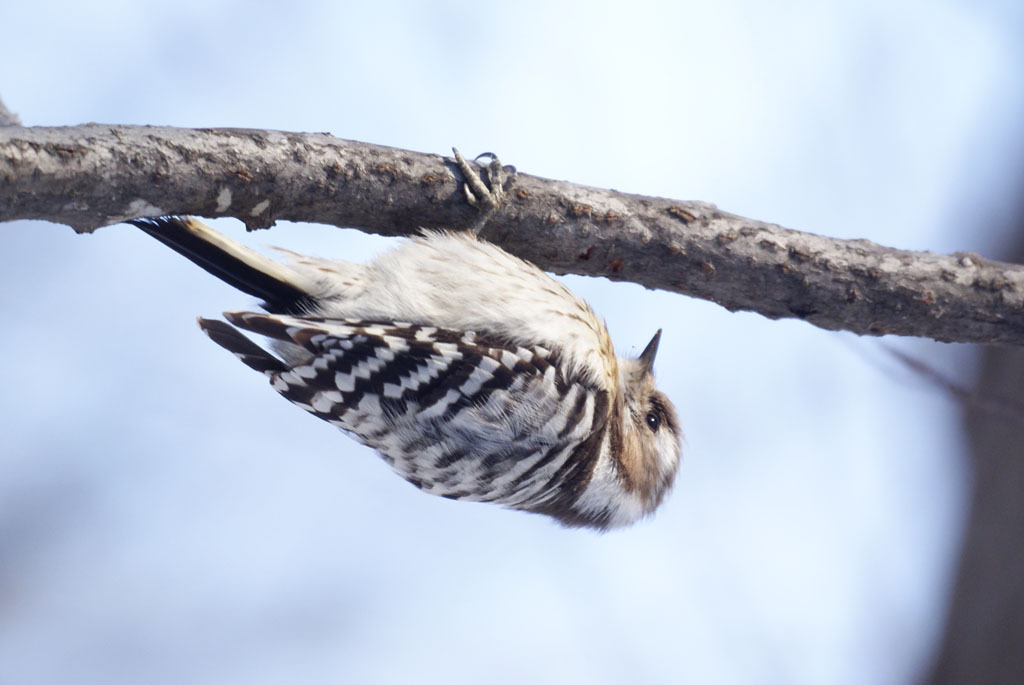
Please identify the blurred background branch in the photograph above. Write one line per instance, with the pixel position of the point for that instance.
(985, 624)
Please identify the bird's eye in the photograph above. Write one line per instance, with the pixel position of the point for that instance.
(653, 421)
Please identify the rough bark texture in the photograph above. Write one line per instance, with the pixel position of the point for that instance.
(93, 175)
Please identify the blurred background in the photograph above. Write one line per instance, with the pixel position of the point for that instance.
(165, 517)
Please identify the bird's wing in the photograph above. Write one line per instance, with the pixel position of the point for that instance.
(456, 413)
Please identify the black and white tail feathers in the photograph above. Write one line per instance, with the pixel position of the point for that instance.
(280, 288)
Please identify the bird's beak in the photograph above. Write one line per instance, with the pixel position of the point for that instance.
(647, 356)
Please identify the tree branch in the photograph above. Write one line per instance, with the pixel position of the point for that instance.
(93, 175)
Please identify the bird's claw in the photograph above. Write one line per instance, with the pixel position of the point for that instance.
(487, 199)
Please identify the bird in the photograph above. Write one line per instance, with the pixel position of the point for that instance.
(474, 374)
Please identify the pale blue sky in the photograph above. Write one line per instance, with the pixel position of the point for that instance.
(165, 517)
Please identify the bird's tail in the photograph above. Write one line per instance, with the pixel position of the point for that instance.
(232, 340)
(282, 290)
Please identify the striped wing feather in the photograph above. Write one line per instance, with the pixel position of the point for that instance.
(456, 413)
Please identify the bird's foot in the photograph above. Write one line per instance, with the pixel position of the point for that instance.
(487, 199)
